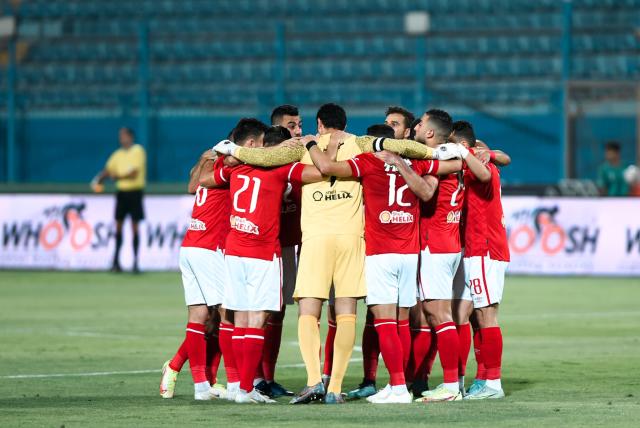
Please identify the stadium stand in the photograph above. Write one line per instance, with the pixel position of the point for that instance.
(85, 53)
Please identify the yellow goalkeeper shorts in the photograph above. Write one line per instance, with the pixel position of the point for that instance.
(337, 259)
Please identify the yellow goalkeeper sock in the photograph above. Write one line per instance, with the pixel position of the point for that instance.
(309, 340)
(342, 349)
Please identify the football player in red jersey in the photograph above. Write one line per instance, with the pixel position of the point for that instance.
(440, 256)
(392, 246)
(253, 287)
(201, 264)
(486, 258)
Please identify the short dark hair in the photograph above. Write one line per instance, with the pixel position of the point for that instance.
(613, 146)
(129, 131)
(408, 116)
(463, 131)
(248, 127)
(380, 130)
(332, 116)
(412, 133)
(276, 135)
(441, 122)
(283, 110)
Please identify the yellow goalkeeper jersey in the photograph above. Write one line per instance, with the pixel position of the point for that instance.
(333, 206)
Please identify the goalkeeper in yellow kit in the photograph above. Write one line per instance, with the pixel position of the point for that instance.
(333, 249)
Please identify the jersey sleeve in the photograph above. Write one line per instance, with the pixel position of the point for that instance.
(270, 157)
(407, 148)
(293, 172)
(140, 158)
(357, 166)
(221, 172)
(426, 167)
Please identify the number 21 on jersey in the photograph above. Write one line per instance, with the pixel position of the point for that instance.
(254, 182)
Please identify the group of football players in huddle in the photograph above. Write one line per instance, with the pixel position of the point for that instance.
(408, 217)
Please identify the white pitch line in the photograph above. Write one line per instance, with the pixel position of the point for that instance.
(53, 375)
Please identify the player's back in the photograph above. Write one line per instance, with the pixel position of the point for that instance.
(256, 195)
(485, 228)
(333, 206)
(391, 208)
(209, 224)
(440, 216)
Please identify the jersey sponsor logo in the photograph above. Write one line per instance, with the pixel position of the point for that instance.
(195, 224)
(243, 225)
(331, 195)
(398, 217)
(453, 217)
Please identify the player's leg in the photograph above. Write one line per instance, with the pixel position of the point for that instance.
(312, 288)
(135, 232)
(225, 336)
(370, 354)
(214, 352)
(273, 330)
(115, 265)
(437, 273)
(391, 280)
(462, 308)
(481, 372)
(349, 284)
(194, 345)
(487, 286)
(329, 340)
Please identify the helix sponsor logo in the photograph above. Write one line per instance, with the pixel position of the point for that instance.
(331, 195)
(453, 217)
(197, 225)
(241, 224)
(396, 217)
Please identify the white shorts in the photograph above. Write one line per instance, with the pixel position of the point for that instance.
(253, 284)
(485, 279)
(289, 272)
(203, 273)
(460, 289)
(436, 275)
(391, 279)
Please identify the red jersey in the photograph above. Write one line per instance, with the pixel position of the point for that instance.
(256, 200)
(440, 216)
(485, 229)
(391, 209)
(290, 231)
(208, 227)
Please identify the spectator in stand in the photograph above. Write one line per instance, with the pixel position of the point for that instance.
(611, 181)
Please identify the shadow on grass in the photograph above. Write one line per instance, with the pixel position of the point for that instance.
(513, 385)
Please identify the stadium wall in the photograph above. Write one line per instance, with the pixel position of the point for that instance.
(72, 150)
(549, 236)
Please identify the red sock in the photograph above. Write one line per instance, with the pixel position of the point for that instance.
(481, 374)
(433, 351)
(272, 340)
(197, 350)
(253, 346)
(370, 352)
(213, 359)
(420, 348)
(492, 351)
(405, 339)
(464, 341)
(391, 348)
(409, 371)
(226, 346)
(238, 349)
(180, 358)
(328, 349)
(449, 350)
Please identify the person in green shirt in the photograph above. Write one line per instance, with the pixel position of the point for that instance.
(610, 179)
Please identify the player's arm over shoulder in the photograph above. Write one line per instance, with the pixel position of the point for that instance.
(270, 156)
(407, 148)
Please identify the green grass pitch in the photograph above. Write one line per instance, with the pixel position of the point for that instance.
(572, 354)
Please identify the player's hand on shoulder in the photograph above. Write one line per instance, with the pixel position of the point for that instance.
(483, 155)
(389, 158)
(225, 147)
(338, 137)
(231, 161)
